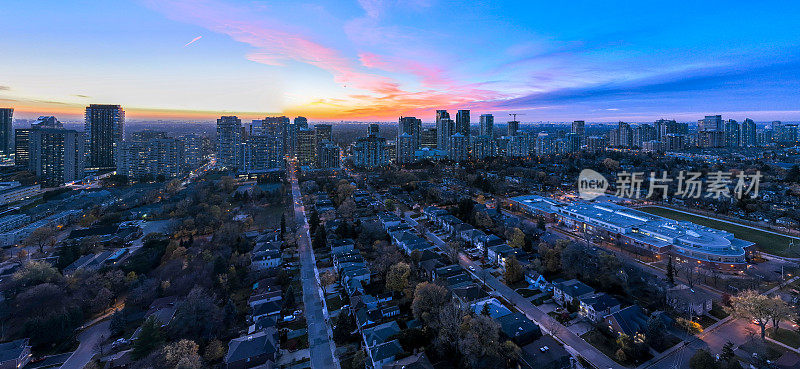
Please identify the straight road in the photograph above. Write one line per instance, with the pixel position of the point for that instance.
(572, 341)
(320, 342)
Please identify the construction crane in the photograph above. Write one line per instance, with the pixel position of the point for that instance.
(515, 115)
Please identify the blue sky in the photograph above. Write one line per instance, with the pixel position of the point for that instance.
(376, 59)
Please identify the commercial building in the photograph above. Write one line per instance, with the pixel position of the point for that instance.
(487, 125)
(328, 155)
(306, 146)
(105, 131)
(643, 233)
(230, 138)
(370, 152)
(157, 155)
(412, 127)
(11, 192)
(57, 155)
(6, 134)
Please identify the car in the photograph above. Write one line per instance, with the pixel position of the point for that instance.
(471, 268)
(289, 318)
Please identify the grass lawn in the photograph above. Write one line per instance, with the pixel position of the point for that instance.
(718, 312)
(785, 336)
(768, 242)
(601, 342)
(705, 321)
(527, 292)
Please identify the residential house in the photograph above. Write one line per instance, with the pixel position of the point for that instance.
(519, 329)
(485, 242)
(689, 301)
(15, 354)
(629, 321)
(597, 306)
(379, 334)
(417, 361)
(384, 353)
(490, 306)
(568, 291)
(546, 353)
(536, 280)
(264, 309)
(252, 350)
(339, 245)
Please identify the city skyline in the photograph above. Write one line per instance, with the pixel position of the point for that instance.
(377, 60)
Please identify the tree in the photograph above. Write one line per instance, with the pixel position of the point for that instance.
(320, 238)
(513, 272)
(752, 305)
(779, 310)
(358, 359)
(655, 332)
(215, 351)
(702, 360)
(690, 326)
(35, 272)
(283, 225)
(397, 277)
(344, 327)
(41, 237)
(197, 317)
(326, 279)
(313, 221)
(483, 220)
(150, 337)
(670, 272)
(517, 238)
(727, 353)
(180, 355)
(428, 301)
(118, 323)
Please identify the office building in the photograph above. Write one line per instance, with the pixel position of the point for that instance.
(458, 147)
(373, 130)
(6, 133)
(328, 155)
(230, 141)
(264, 152)
(521, 144)
(579, 128)
(512, 128)
(673, 142)
(710, 138)
(301, 122)
(151, 157)
(193, 150)
(462, 123)
(711, 123)
(445, 127)
(545, 144)
(105, 131)
(487, 125)
(748, 138)
(306, 146)
(370, 152)
(596, 143)
(481, 146)
(412, 127)
(732, 133)
(57, 155)
(428, 138)
(21, 150)
(643, 133)
(405, 148)
(572, 142)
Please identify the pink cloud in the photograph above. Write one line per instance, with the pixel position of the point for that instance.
(277, 47)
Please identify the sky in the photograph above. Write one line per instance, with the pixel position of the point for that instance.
(363, 60)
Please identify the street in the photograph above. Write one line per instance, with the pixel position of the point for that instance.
(88, 341)
(322, 347)
(573, 342)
